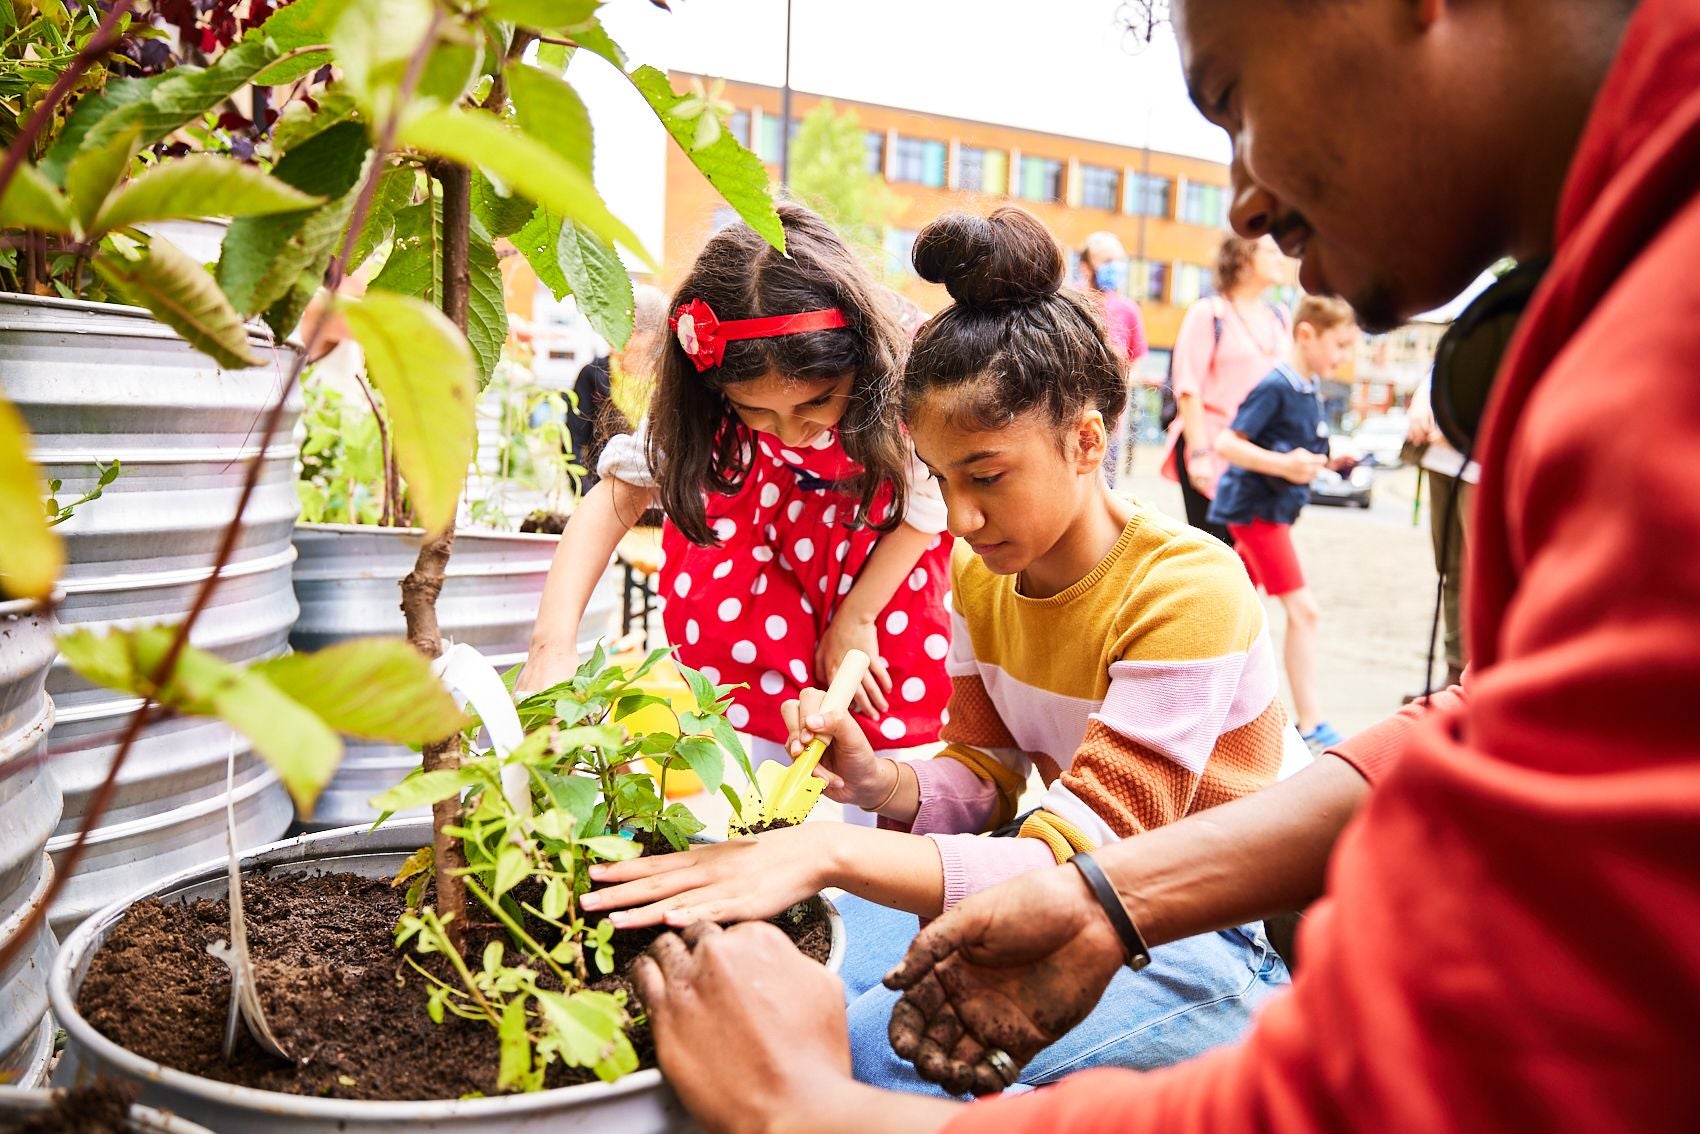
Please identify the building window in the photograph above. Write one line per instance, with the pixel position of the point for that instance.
(1098, 185)
(980, 170)
(899, 252)
(1206, 205)
(739, 124)
(767, 140)
(1041, 179)
(919, 161)
(1147, 279)
(1192, 283)
(876, 152)
(1147, 196)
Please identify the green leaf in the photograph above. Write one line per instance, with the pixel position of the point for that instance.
(611, 848)
(586, 1027)
(737, 173)
(684, 820)
(732, 797)
(511, 868)
(373, 688)
(516, 1044)
(372, 41)
(299, 121)
(96, 171)
(500, 215)
(302, 23)
(539, 243)
(119, 98)
(184, 296)
(486, 309)
(201, 185)
(476, 138)
(181, 95)
(706, 760)
(576, 795)
(32, 201)
(548, 109)
(422, 789)
(599, 281)
(292, 67)
(419, 863)
(264, 259)
(557, 896)
(31, 555)
(544, 15)
(294, 742)
(426, 373)
(394, 193)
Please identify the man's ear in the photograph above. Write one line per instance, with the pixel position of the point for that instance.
(1091, 441)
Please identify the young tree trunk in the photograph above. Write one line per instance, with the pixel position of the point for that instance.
(420, 589)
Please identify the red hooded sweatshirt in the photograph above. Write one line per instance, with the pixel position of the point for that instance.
(1511, 939)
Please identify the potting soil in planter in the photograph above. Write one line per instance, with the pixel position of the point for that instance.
(99, 1108)
(328, 973)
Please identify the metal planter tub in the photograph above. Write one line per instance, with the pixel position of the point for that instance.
(346, 581)
(29, 809)
(17, 1106)
(641, 1103)
(98, 382)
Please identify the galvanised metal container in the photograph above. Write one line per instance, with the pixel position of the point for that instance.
(98, 382)
(17, 1106)
(29, 809)
(641, 1103)
(347, 582)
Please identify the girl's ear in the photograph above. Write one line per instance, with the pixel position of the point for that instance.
(1091, 441)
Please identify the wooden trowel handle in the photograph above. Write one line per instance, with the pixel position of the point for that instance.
(845, 682)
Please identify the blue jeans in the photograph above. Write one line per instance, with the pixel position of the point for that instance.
(1196, 994)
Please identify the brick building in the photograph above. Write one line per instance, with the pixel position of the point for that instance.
(1169, 211)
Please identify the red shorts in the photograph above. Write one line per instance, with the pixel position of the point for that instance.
(1269, 556)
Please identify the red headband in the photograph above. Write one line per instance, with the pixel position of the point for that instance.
(704, 337)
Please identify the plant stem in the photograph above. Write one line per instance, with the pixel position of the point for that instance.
(424, 583)
(391, 479)
(514, 927)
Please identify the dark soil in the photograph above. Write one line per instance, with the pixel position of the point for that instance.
(100, 1108)
(336, 992)
(765, 825)
(548, 523)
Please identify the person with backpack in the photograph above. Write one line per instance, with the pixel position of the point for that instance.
(1227, 343)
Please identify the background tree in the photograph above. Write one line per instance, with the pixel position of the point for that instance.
(829, 173)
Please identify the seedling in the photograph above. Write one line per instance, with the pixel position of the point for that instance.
(783, 795)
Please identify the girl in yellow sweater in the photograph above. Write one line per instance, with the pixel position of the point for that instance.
(1117, 652)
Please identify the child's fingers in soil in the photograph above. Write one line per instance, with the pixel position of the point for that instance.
(646, 867)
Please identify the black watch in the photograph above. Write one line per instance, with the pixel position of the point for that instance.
(1138, 956)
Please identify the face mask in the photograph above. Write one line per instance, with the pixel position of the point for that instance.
(1111, 276)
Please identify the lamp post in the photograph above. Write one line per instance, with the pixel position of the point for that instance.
(785, 107)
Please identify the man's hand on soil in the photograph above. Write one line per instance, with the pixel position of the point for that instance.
(748, 1031)
(1011, 968)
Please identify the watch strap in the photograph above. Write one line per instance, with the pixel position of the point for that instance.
(1138, 956)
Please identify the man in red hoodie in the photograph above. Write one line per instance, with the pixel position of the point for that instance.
(1510, 937)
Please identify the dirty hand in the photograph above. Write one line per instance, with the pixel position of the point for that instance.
(747, 879)
(1011, 968)
(742, 1006)
(1201, 470)
(852, 772)
(547, 666)
(1302, 465)
(850, 631)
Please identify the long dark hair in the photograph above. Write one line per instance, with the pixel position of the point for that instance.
(1016, 340)
(694, 442)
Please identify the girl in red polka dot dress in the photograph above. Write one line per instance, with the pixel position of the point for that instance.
(798, 522)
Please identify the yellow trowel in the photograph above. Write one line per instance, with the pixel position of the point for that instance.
(784, 794)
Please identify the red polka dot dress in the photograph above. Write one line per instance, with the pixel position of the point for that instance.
(752, 610)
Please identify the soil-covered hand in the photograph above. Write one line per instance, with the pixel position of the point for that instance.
(747, 1029)
(1011, 968)
(849, 631)
(747, 879)
(852, 772)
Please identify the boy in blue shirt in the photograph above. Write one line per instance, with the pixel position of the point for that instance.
(1276, 445)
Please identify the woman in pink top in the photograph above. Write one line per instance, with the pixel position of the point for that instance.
(1103, 270)
(1226, 344)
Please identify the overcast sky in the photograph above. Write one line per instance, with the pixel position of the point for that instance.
(1056, 65)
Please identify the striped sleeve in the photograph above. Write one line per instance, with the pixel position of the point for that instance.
(1191, 719)
(976, 735)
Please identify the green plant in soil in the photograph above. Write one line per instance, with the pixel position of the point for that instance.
(533, 823)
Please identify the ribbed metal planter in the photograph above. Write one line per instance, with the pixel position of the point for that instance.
(29, 809)
(17, 1106)
(98, 382)
(346, 580)
(641, 1103)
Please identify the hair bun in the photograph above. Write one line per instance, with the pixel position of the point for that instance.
(1008, 257)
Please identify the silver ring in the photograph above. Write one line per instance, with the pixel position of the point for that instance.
(998, 1060)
